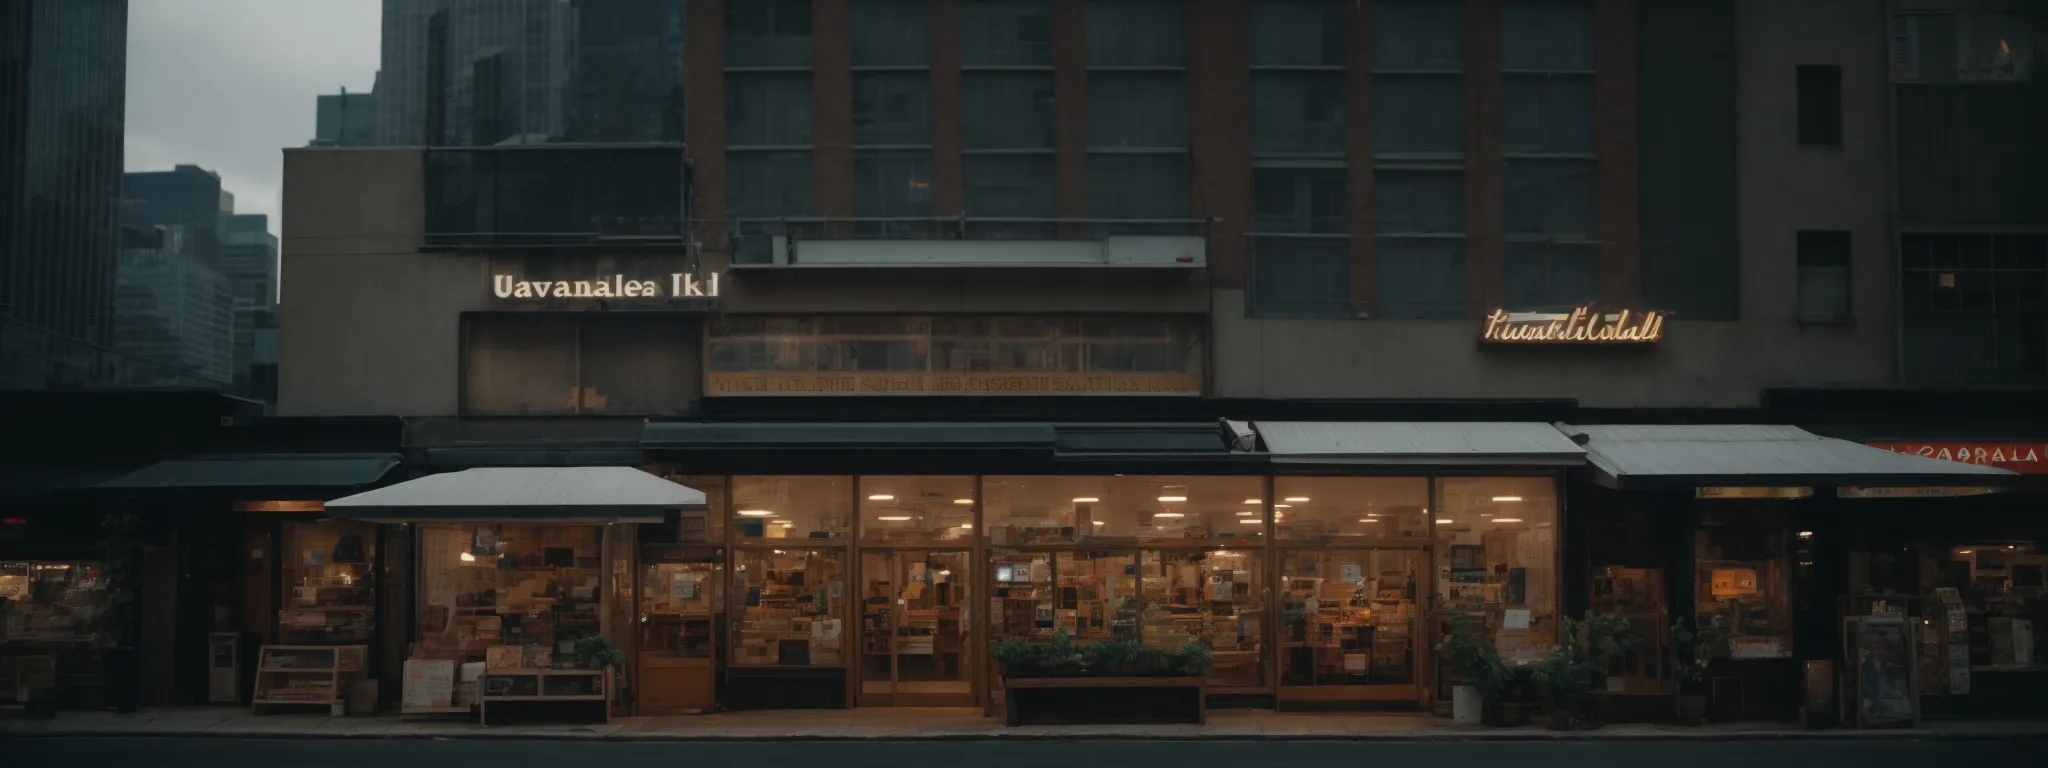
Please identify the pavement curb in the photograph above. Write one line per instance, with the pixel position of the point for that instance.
(1817, 736)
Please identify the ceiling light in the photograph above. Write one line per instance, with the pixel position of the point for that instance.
(1507, 519)
(1964, 551)
(756, 513)
(967, 525)
(963, 502)
(1506, 499)
(469, 558)
(1372, 514)
(1283, 506)
(1101, 522)
(789, 525)
(1247, 513)
(1444, 521)
(1173, 498)
(894, 518)
(1806, 534)
(1252, 522)
(1297, 498)
(881, 497)
(1251, 501)
(1367, 520)
(1168, 514)
(1085, 500)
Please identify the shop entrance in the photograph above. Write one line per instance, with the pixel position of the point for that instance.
(1349, 620)
(915, 647)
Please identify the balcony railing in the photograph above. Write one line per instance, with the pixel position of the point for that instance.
(556, 194)
(969, 242)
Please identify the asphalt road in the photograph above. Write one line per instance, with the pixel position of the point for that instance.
(390, 753)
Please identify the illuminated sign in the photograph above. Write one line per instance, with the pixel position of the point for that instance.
(2023, 458)
(680, 285)
(1582, 325)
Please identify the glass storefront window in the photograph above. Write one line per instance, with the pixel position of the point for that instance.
(1496, 540)
(1347, 617)
(788, 604)
(1744, 577)
(792, 507)
(490, 584)
(916, 510)
(1042, 510)
(707, 527)
(1214, 597)
(329, 581)
(681, 596)
(914, 623)
(1054, 509)
(1097, 597)
(1310, 508)
(52, 602)
(1021, 600)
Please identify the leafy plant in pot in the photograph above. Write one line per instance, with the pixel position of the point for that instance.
(1481, 673)
(1608, 638)
(1566, 677)
(1689, 649)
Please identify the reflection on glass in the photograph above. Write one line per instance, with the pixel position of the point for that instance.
(52, 601)
(327, 568)
(1335, 507)
(1744, 578)
(916, 510)
(1348, 617)
(792, 506)
(1212, 597)
(1041, 510)
(1497, 543)
(787, 607)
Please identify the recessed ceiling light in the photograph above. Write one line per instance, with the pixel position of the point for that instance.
(789, 525)
(1444, 521)
(1964, 551)
(1173, 498)
(1085, 500)
(756, 513)
(1251, 522)
(1507, 519)
(1247, 513)
(967, 525)
(881, 497)
(1372, 514)
(1101, 522)
(1251, 501)
(1367, 520)
(1168, 514)
(1506, 499)
(894, 518)
(1283, 506)
(963, 502)
(1297, 498)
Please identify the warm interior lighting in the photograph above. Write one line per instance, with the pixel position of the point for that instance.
(1283, 506)
(1173, 498)
(1085, 500)
(1247, 513)
(1101, 522)
(1506, 499)
(1444, 521)
(881, 497)
(1251, 501)
(1373, 514)
(894, 518)
(468, 558)
(967, 525)
(963, 502)
(1297, 499)
(1168, 514)
(1507, 519)
(789, 525)
(1806, 534)
(1367, 520)
(1251, 522)
(1964, 551)
(755, 513)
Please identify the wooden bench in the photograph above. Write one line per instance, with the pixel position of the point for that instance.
(1013, 714)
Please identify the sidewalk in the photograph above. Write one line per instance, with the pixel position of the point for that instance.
(925, 724)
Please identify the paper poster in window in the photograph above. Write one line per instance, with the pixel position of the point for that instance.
(1353, 573)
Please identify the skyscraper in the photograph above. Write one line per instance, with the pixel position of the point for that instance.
(346, 120)
(63, 73)
(629, 71)
(175, 303)
(476, 72)
(249, 262)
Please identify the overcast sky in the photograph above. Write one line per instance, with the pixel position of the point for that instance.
(227, 84)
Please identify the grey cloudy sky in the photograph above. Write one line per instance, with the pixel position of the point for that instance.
(227, 84)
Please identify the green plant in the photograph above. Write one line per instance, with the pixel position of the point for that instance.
(1014, 651)
(1477, 663)
(597, 652)
(1110, 656)
(1689, 649)
(1195, 659)
(1610, 634)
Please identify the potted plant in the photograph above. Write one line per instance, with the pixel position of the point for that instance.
(1566, 676)
(1609, 636)
(1689, 649)
(1480, 671)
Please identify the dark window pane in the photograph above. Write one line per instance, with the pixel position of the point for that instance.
(638, 364)
(890, 33)
(892, 184)
(1820, 106)
(1306, 200)
(892, 108)
(1551, 276)
(1300, 277)
(1298, 32)
(1131, 33)
(1418, 114)
(768, 33)
(1006, 33)
(1006, 110)
(1140, 186)
(1298, 113)
(1419, 278)
(767, 109)
(1549, 197)
(538, 194)
(1418, 34)
(519, 364)
(1547, 114)
(1547, 35)
(1137, 109)
(1418, 202)
(1009, 186)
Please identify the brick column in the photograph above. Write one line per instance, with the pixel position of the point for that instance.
(1358, 152)
(1485, 280)
(1070, 112)
(1621, 260)
(1219, 108)
(948, 179)
(704, 120)
(831, 109)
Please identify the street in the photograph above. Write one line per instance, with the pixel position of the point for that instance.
(306, 753)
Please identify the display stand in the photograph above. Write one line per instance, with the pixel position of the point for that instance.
(1883, 686)
(307, 675)
(533, 686)
(433, 687)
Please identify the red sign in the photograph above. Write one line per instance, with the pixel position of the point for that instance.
(2024, 458)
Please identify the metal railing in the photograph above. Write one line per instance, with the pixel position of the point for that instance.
(751, 238)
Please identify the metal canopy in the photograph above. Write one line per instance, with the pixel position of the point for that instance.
(1419, 443)
(517, 494)
(846, 436)
(295, 475)
(1632, 457)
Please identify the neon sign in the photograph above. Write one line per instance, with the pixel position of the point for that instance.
(1582, 325)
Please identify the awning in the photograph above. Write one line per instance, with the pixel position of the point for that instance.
(524, 494)
(1419, 443)
(299, 476)
(21, 481)
(949, 436)
(1203, 443)
(534, 453)
(1632, 457)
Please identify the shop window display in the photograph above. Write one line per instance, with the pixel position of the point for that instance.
(708, 526)
(1216, 598)
(1496, 542)
(1744, 578)
(787, 607)
(916, 510)
(914, 623)
(792, 507)
(1348, 617)
(52, 602)
(329, 582)
(1122, 509)
(1087, 596)
(510, 584)
(1336, 508)
(680, 601)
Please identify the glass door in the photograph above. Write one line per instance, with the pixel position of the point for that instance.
(1349, 620)
(916, 647)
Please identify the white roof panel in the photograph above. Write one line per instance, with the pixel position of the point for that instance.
(524, 493)
(1523, 443)
(1640, 456)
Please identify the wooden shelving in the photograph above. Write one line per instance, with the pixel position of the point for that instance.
(307, 675)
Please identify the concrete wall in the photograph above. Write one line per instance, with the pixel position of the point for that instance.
(1781, 188)
(368, 325)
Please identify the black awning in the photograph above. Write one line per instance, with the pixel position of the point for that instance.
(889, 436)
(534, 454)
(308, 476)
(1154, 447)
(21, 481)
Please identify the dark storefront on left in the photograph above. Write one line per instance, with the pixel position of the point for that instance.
(150, 540)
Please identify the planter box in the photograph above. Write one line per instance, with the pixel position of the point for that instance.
(1108, 700)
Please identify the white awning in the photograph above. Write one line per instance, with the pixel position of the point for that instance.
(1631, 457)
(524, 494)
(1419, 443)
